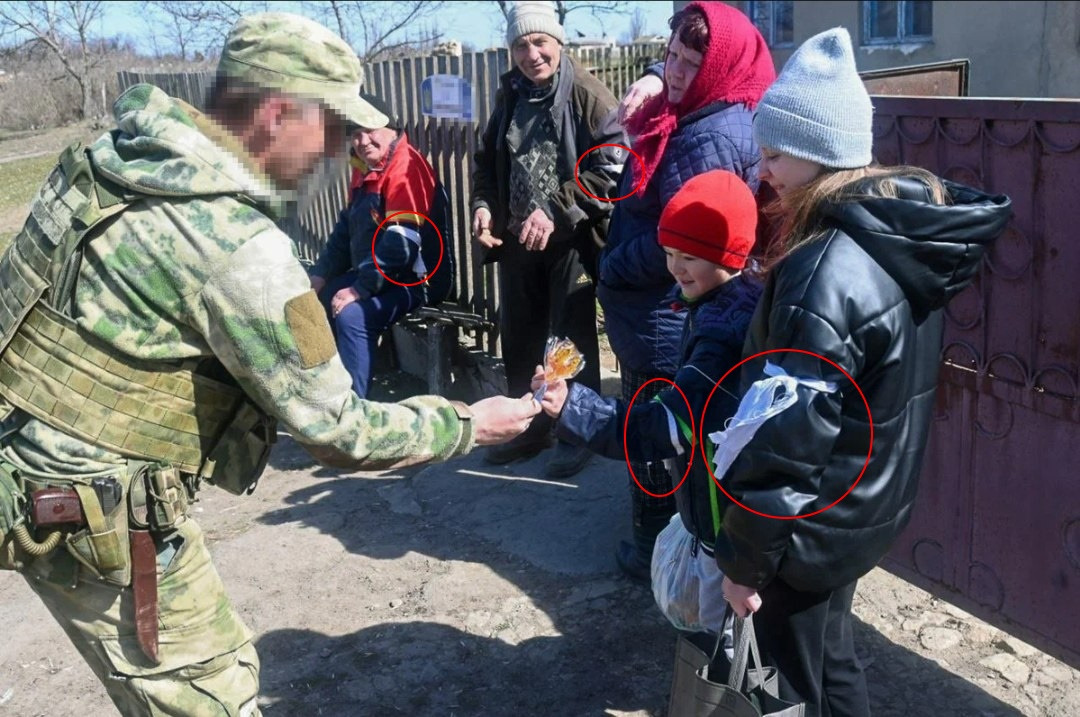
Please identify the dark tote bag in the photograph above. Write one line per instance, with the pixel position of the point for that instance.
(707, 685)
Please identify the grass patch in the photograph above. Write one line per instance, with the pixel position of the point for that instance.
(5, 239)
(20, 179)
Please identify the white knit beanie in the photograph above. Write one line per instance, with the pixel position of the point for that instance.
(529, 17)
(818, 108)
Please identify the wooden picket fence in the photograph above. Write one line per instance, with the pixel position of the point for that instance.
(448, 144)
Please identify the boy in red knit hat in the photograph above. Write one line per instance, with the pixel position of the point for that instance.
(707, 231)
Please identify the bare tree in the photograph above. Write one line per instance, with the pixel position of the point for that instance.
(376, 30)
(196, 27)
(601, 10)
(380, 30)
(64, 29)
(637, 24)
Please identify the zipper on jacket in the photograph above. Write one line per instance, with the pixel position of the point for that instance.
(694, 546)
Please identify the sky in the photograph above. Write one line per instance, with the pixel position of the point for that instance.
(466, 21)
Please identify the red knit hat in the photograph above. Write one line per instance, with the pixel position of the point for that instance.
(713, 217)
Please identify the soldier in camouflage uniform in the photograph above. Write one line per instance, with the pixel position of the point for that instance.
(154, 323)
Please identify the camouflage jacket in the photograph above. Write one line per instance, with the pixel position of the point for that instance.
(198, 268)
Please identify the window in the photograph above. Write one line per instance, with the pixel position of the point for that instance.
(775, 20)
(894, 22)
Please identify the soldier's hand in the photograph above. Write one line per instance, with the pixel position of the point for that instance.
(317, 283)
(499, 418)
(638, 94)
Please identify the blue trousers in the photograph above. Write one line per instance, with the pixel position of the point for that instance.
(358, 326)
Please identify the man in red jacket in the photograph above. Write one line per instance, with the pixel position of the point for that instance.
(366, 287)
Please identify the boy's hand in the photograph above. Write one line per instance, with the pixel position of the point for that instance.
(554, 395)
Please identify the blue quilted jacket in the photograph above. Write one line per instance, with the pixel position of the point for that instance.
(643, 328)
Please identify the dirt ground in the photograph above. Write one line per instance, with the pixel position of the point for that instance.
(20, 145)
(460, 589)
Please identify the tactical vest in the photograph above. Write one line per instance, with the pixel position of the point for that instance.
(188, 414)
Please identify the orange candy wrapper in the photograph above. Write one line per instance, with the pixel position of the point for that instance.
(562, 360)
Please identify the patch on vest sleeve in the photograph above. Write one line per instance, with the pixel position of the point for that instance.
(311, 332)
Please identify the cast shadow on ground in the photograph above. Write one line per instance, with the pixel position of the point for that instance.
(609, 649)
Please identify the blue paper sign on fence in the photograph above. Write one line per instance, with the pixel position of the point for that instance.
(446, 97)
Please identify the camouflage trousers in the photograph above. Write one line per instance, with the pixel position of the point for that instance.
(208, 665)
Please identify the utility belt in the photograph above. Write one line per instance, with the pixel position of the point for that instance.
(93, 519)
(108, 524)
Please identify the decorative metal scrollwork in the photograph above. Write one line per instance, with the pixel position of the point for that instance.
(985, 586)
(1007, 133)
(1000, 411)
(1070, 538)
(928, 557)
(960, 311)
(964, 174)
(1012, 243)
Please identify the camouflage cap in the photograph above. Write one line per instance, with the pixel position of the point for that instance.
(297, 55)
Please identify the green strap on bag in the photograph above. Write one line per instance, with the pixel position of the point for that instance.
(714, 498)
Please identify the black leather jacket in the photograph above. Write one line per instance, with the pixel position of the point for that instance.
(870, 297)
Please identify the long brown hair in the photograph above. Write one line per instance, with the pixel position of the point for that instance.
(799, 216)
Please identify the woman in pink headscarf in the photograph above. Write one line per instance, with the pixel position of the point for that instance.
(716, 69)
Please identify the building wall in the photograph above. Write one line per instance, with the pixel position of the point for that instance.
(1016, 48)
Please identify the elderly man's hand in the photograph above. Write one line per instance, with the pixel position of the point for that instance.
(536, 230)
(481, 229)
(499, 418)
(638, 94)
(343, 298)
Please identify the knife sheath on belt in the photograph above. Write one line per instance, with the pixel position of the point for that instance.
(144, 587)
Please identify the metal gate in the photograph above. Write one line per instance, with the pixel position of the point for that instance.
(997, 526)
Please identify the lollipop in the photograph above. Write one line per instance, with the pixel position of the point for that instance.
(562, 360)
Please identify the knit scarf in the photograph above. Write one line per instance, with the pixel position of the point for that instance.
(736, 67)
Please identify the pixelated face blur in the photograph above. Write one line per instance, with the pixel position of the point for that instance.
(785, 173)
(301, 133)
(696, 276)
(680, 68)
(373, 145)
(537, 55)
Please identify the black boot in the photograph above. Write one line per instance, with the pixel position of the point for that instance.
(635, 560)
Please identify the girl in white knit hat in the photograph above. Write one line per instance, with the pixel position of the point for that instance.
(855, 296)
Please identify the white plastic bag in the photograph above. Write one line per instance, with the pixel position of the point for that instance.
(765, 398)
(687, 587)
(674, 580)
